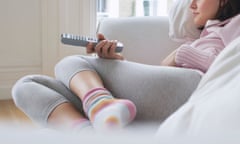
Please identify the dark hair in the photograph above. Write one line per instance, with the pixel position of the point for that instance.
(228, 9)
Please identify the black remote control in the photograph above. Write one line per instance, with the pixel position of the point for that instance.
(77, 40)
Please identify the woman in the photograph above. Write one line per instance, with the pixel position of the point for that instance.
(112, 91)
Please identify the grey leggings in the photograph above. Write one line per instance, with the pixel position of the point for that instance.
(157, 91)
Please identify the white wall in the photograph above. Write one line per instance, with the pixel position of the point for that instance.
(30, 32)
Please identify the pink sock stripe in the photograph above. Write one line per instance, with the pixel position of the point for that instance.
(96, 102)
(79, 122)
(96, 94)
(92, 91)
(132, 109)
(91, 97)
(95, 98)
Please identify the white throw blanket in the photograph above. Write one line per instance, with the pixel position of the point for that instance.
(213, 111)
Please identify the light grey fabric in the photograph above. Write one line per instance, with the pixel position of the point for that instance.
(38, 95)
(157, 91)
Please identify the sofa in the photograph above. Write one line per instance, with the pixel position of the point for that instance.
(145, 39)
(211, 115)
(212, 112)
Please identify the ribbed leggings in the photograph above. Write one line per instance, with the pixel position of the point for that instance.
(157, 91)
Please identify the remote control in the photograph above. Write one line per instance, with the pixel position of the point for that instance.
(77, 40)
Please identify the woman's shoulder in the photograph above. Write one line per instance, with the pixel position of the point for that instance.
(235, 20)
(218, 23)
(231, 30)
(232, 24)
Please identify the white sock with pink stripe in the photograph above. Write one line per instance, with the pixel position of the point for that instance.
(105, 111)
(82, 125)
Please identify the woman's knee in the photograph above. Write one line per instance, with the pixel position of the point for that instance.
(21, 90)
(69, 66)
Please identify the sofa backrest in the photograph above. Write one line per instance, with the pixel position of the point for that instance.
(146, 39)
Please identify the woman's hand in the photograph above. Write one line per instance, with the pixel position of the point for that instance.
(105, 48)
(170, 59)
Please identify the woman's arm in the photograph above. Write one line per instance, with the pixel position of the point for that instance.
(200, 57)
(169, 60)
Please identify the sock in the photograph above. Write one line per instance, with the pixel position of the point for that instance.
(82, 125)
(104, 111)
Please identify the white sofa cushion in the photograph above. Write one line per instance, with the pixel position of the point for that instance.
(181, 26)
(214, 108)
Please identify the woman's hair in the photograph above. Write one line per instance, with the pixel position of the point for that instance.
(228, 9)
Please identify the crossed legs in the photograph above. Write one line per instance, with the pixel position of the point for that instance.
(78, 97)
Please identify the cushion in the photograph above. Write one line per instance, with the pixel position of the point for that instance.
(181, 26)
(214, 108)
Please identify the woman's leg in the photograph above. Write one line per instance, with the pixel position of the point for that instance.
(48, 102)
(157, 91)
(100, 106)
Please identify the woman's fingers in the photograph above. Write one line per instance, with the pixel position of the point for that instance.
(99, 47)
(113, 47)
(105, 48)
(100, 36)
(90, 48)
